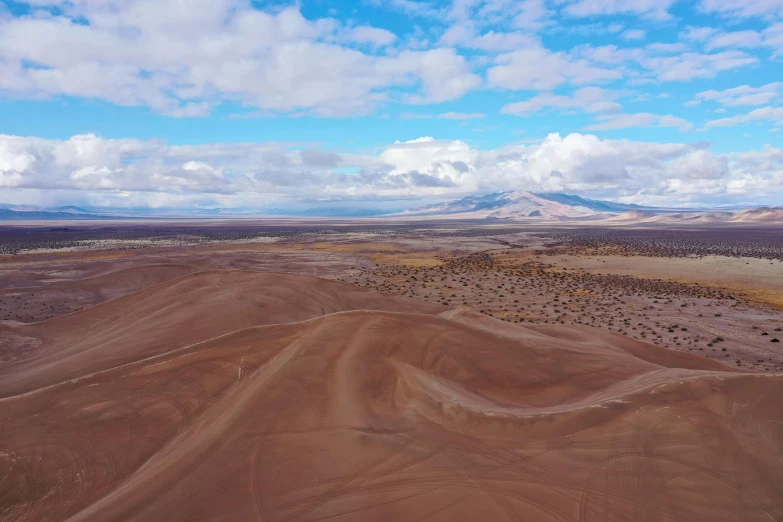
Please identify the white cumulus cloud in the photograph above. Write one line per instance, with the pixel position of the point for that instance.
(183, 58)
(95, 170)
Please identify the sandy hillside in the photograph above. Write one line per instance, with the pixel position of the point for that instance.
(231, 395)
(61, 293)
(173, 314)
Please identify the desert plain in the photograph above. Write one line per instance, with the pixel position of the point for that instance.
(286, 370)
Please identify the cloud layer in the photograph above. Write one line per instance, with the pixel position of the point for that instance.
(183, 58)
(575, 75)
(257, 175)
(187, 58)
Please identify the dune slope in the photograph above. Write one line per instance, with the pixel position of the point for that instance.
(322, 412)
(176, 313)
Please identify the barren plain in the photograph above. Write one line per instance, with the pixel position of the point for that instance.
(295, 371)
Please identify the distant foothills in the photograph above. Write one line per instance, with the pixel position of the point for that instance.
(508, 205)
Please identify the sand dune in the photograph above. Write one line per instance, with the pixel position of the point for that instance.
(233, 395)
(174, 314)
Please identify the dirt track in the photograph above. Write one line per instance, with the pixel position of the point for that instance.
(235, 395)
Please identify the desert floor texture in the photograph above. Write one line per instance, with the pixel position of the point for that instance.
(342, 371)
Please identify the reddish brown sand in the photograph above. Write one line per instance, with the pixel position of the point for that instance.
(229, 395)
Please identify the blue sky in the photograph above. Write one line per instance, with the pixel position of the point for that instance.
(229, 103)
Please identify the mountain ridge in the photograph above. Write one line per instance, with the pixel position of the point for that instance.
(561, 207)
(518, 204)
(7, 214)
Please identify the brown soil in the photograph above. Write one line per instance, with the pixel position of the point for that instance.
(226, 382)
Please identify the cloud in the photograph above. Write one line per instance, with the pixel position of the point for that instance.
(465, 35)
(370, 35)
(128, 172)
(536, 68)
(666, 48)
(655, 9)
(688, 66)
(773, 37)
(634, 34)
(417, 179)
(713, 38)
(744, 9)
(608, 54)
(774, 114)
(187, 59)
(235, 57)
(532, 15)
(698, 34)
(414, 8)
(641, 119)
(184, 59)
(743, 39)
(528, 15)
(650, 173)
(461, 115)
(743, 95)
(319, 158)
(444, 75)
(587, 99)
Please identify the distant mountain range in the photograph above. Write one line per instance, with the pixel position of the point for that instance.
(26, 213)
(500, 205)
(522, 204)
(69, 213)
(518, 204)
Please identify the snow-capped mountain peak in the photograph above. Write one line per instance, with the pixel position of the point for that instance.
(518, 204)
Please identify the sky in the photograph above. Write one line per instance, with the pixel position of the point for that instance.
(388, 103)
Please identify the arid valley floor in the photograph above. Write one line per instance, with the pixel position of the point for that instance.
(453, 371)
